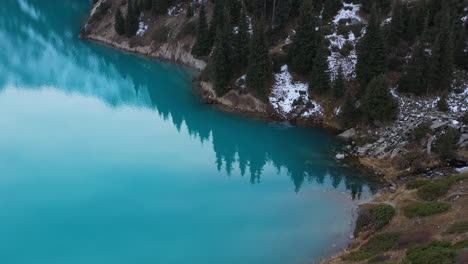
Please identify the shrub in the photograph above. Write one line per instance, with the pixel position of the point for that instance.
(425, 208)
(458, 228)
(356, 29)
(436, 252)
(433, 190)
(412, 156)
(343, 30)
(161, 34)
(415, 184)
(446, 145)
(377, 244)
(383, 214)
(442, 104)
(461, 244)
(422, 130)
(439, 187)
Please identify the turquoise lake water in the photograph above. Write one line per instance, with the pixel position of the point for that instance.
(108, 157)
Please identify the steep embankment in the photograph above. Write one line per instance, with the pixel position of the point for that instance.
(169, 37)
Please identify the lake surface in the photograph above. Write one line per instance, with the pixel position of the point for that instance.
(108, 157)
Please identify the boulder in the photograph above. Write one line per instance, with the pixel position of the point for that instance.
(348, 134)
(340, 156)
(463, 138)
(438, 124)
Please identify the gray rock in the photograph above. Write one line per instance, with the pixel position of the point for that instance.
(438, 124)
(463, 139)
(348, 134)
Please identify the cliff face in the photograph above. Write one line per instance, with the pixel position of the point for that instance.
(169, 37)
(175, 46)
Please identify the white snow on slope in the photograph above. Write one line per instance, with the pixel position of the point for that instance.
(349, 11)
(142, 28)
(292, 98)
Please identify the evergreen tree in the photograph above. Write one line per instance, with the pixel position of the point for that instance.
(220, 64)
(160, 7)
(349, 114)
(396, 25)
(378, 103)
(148, 4)
(119, 22)
(241, 43)
(461, 49)
(442, 62)
(283, 8)
(131, 21)
(371, 52)
(331, 7)
(202, 47)
(320, 80)
(259, 68)
(412, 29)
(414, 80)
(339, 85)
(442, 104)
(303, 48)
(217, 19)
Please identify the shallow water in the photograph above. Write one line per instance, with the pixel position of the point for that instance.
(108, 157)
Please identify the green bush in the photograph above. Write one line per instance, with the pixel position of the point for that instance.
(412, 156)
(461, 244)
(439, 187)
(425, 208)
(377, 244)
(343, 30)
(187, 30)
(383, 214)
(436, 252)
(356, 29)
(416, 184)
(433, 190)
(458, 228)
(422, 130)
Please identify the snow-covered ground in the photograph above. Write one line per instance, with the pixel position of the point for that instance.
(350, 12)
(292, 98)
(142, 27)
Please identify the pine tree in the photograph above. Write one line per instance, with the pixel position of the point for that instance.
(131, 21)
(331, 7)
(414, 79)
(442, 62)
(378, 103)
(320, 80)
(220, 64)
(442, 104)
(303, 48)
(160, 7)
(412, 29)
(202, 47)
(241, 43)
(259, 68)
(339, 85)
(119, 22)
(148, 4)
(461, 49)
(217, 19)
(349, 114)
(371, 52)
(283, 8)
(396, 25)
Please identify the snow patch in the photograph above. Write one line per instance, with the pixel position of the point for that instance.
(292, 98)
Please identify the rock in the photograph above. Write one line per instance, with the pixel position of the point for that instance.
(438, 124)
(400, 163)
(429, 145)
(348, 134)
(340, 156)
(417, 166)
(463, 138)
